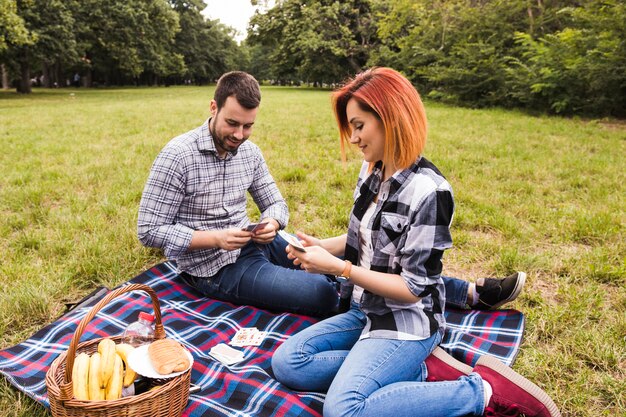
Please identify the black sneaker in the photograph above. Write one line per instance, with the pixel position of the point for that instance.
(494, 292)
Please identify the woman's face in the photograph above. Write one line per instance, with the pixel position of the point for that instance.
(368, 132)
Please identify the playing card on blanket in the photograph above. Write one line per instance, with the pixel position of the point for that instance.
(248, 336)
(226, 354)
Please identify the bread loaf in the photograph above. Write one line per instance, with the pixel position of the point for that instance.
(167, 356)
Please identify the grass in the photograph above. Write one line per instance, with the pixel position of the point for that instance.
(544, 195)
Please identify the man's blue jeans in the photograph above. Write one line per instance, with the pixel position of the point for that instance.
(264, 277)
(371, 377)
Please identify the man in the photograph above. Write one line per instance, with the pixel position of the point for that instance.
(194, 208)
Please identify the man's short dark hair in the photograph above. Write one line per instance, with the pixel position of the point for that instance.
(240, 84)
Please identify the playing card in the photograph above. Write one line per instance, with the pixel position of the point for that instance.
(293, 241)
(255, 227)
(258, 338)
(243, 335)
(226, 354)
(248, 336)
(225, 360)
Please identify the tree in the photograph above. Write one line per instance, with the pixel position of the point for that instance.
(49, 26)
(580, 69)
(317, 41)
(12, 32)
(192, 42)
(128, 38)
(12, 27)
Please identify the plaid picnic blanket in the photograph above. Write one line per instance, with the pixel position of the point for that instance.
(246, 388)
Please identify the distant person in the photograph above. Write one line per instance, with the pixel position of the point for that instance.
(372, 359)
(194, 208)
(76, 80)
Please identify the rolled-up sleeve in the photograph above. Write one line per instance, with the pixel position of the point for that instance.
(427, 239)
(267, 196)
(160, 202)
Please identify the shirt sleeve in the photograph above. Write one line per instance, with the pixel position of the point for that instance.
(159, 206)
(427, 238)
(267, 196)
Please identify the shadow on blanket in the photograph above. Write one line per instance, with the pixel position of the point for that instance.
(248, 387)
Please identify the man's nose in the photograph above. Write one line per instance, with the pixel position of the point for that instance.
(238, 133)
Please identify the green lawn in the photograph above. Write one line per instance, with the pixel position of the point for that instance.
(539, 194)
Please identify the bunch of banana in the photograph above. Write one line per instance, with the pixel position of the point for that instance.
(102, 375)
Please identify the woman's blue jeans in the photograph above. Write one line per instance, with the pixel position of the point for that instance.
(371, 377)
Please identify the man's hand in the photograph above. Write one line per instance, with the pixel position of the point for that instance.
(267, 234)
(231, 239)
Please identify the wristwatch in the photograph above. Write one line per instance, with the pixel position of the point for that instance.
(345, 275)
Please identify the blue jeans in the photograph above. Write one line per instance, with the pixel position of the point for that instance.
(456, 292)
(371, 377)
(264, 277)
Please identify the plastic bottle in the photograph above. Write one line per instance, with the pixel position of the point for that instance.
(139, 332)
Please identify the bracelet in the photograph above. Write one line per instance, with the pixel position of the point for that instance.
(347, 270)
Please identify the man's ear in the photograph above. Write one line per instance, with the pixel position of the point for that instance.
(213, 108)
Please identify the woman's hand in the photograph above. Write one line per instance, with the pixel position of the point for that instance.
(308, 240)
(316, 259)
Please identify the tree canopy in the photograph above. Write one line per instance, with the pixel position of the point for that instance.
(550, 56)
(112, 42)
(554, 56)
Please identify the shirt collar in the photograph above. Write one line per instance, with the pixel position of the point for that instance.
(397, 179)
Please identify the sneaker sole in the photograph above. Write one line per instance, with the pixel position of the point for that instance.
(520, 381)
(519, 284)
(443, 356)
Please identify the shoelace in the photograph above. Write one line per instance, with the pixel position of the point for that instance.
(510, 411)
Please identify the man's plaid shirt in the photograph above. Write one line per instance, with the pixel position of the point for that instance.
(410, 231)
(190, 188)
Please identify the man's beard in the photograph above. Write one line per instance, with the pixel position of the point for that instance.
(221, 141)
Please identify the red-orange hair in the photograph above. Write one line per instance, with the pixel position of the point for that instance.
(392, 98)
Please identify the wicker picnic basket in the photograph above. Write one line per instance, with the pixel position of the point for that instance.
(169, 400)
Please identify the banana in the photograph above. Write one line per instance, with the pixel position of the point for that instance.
(124, 349)
(95, 363)
(114, 387)
(80, 377)
(106, 348)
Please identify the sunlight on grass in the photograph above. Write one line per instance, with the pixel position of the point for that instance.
(544, 195)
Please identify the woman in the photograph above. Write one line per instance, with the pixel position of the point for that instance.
(371, 359)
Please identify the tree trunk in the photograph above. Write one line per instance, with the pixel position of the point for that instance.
(58, 75)
(45, 69)
(531, 21)
(24, 86)
(89, 78)
(5, 77)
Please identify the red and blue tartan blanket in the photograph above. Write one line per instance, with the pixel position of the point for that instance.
(246, 388)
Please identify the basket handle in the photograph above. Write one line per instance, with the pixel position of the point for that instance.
(159, 331)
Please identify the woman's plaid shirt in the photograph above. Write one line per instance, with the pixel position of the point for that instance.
(410, 231)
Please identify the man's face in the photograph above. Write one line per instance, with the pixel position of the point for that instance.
(231, 125)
